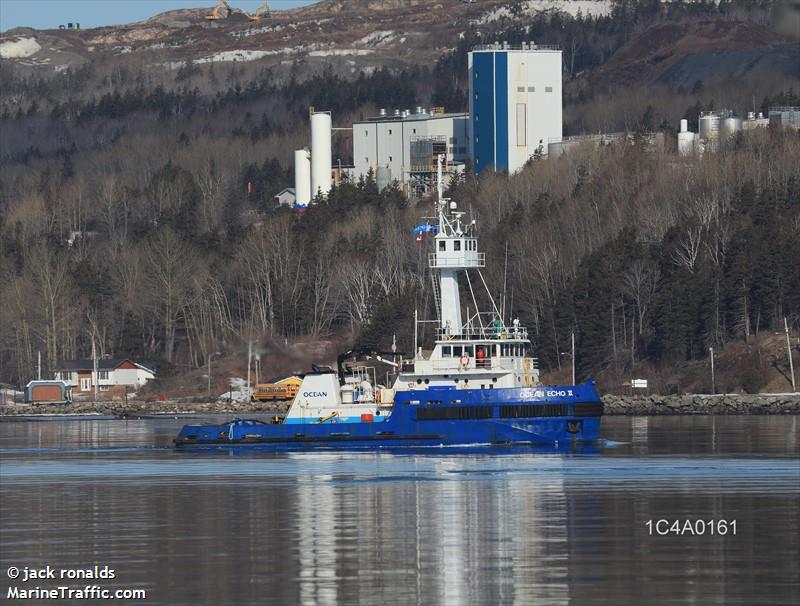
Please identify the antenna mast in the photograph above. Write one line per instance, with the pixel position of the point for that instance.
(439, 184)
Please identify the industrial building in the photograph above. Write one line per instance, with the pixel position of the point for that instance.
(402, 146)
(515, 104)
(650, 141)
(755, 121)
(716, 126)
(787, 117)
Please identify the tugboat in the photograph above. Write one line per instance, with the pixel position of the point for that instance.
(477, 386)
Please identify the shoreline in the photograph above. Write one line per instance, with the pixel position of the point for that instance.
(616, 405)
(703, 404)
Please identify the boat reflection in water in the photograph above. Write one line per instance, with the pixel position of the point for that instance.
(437, 535)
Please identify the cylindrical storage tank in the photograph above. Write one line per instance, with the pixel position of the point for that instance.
(686, 143)
(302, 177)
(321, 154)
(709, 126)
(731, 126)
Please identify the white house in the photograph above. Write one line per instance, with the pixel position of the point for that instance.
(115, 376)
(286, 197)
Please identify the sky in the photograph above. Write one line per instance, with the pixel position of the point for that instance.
(49, 14)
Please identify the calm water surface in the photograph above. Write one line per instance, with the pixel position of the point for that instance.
(438, 526)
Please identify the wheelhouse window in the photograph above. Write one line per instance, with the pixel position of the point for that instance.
(442, 245)
(457, 245)
(446, 351)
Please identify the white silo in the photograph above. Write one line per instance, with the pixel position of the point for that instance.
(302, 176)
(321, 154)
(686, 139)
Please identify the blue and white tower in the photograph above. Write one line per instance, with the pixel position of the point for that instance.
(515, 104)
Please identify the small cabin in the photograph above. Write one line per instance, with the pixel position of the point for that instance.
(286, 197)
(47, 391)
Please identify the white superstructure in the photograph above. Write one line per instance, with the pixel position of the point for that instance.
(476, 350)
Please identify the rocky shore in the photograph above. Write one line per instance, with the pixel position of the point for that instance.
(135, 408)
(730, 404)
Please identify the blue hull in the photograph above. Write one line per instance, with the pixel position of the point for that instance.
(432, 417)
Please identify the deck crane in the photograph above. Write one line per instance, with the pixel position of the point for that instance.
(216, 12)
(262, 12)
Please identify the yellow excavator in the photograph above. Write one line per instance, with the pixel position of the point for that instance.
(216, 12)
(262, 12)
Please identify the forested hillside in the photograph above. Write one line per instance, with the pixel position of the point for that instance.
(125, 214)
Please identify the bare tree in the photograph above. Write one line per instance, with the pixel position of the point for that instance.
(171, 265)
(640, 283)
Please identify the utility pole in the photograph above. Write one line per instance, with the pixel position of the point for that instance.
(95, 374)
(415, 333)
(789, 353)
(713, 381)
(573, 357)
(249, 357)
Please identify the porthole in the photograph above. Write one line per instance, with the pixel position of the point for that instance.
(426, 381)
(494, 379)
(419, 381)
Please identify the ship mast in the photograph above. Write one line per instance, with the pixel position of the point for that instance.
(456, 250)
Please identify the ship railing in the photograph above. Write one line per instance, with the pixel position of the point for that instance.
(456, 260)
(483, 333)
(453, 364)
(500, 46)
